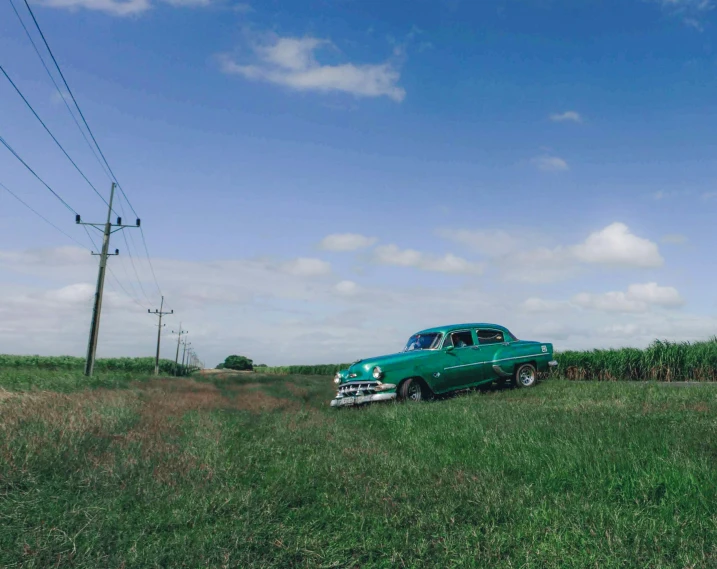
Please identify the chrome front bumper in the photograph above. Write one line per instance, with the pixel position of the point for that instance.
(359, 392)
(342, 401)
(552, 364)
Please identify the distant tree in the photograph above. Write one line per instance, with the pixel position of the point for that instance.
(240, 363)
(220, 366)
(260, 365)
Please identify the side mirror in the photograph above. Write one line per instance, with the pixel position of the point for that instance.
(450, 348)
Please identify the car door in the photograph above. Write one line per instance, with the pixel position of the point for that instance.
(491, 347)
(460, 365)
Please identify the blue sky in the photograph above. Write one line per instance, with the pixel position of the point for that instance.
(343, 173)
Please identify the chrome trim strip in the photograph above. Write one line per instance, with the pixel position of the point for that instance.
(465, 365)
(520, 357)
(496, 361)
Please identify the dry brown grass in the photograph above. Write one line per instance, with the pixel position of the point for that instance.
(159, 407)
(296, 389)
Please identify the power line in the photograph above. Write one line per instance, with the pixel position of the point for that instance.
(134, 268)
(69, 91)
(29, 106)
(54, 193)
(37, 213)
(57, 87)
(129, 252)
(149, 260)
(89, 236)
(82, 116)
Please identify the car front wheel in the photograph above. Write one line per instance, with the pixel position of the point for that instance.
(526, 376)
(411, 390)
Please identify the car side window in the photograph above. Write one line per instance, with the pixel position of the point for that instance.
(461, 339)
(488, 336)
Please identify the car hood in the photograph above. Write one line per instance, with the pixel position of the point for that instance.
(387, 362)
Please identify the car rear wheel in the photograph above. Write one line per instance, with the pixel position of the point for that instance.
(411, 390)
(526, 376)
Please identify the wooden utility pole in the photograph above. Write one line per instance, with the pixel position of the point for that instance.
(184, 351)
(97, 308)
(179, 339)
(159, 332)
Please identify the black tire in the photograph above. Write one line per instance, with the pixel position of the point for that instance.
(412, 390)
(526, 376)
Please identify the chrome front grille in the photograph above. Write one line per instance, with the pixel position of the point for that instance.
(358, 388)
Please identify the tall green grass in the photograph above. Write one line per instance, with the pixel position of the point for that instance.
(661, 361)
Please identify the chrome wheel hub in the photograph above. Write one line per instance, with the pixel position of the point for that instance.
(414, 392)
(527, 377)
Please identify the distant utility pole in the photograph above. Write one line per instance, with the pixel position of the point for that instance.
(184, 351)
(97, 308)
(179, 339)
(159, 332)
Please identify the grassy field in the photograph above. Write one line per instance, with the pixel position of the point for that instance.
(256, 471)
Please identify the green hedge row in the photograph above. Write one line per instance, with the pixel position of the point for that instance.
(326, 369)
(132, 365)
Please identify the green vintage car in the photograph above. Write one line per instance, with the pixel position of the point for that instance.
(444, 359)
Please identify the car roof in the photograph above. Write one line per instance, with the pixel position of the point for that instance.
(450, 327)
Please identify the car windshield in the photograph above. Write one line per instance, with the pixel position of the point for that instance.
(422, 342)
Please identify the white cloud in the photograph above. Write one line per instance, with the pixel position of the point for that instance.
(346, 242)
(692, 12)
(292, 62)
(347, 288)
(449, 263)
(189, 3)
(709, 195)
(251, 306)
(609, 302)
(128, 7)
(615, 245)
(517, 257)
(113, 7)
(540, 305)
(490, 242)
(550, 164)
(668, 194)
(638, 298)
(570, 116)
(79, 293)
(304, 267)
(651, 293)
(674, 239)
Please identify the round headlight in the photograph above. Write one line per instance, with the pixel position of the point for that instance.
(337, 378)
(377, 373)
